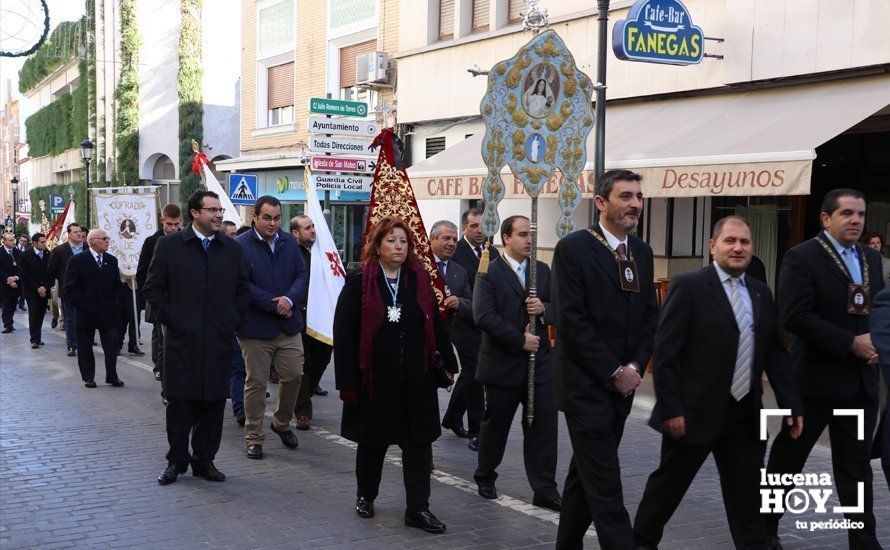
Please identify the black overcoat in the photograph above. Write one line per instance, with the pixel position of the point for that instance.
(200, 298)
(404, 406)
(97, 293)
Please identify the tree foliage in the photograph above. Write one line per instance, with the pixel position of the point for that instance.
(191, 106)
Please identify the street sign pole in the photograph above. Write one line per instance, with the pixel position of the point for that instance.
(599, 148)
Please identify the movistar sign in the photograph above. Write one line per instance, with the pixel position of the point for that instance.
(658, 31)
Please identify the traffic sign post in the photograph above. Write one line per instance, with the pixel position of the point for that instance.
(343, 164)
(343, 127)
(336, 145)
(242, 188)
(342, 182)
(327, 106)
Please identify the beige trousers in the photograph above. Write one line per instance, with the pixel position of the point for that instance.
(287, 352)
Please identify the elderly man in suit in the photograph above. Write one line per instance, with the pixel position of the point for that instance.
(472, 243)
(826, 285)
(36, 285)
(501, 309)
(709, 389)
(197, 287)
(606, 313)
(9, 280)
(58, 261)
(93, 284)
(467, 392)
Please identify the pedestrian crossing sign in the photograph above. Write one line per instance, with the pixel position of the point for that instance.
(242, 188)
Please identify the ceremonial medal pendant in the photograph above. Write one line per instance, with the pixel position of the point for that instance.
(394, 313)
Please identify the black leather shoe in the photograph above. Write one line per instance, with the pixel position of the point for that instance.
(90, 383)
(208, 472)
(319, 392)
(554, 504)
(425, 520)
(254, 450)
(773, 542)
(136, 351)
(288, 437)
(364, 507)
(7, 330)
(488, 491)
(457, 428)
(240, 419)
(72, 352)
(473, 444)
(41, 343)
(116, 383)
(54, 323)
(34, 345)
(170, 474)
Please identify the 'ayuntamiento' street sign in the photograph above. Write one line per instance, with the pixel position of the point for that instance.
(343, 127)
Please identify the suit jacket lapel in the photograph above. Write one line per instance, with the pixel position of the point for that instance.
(755, 303)
(718, 294)
(605, 259)
(836, 269)
(512, 278)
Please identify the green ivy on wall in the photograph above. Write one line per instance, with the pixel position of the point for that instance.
(51, 130)
(63, 44)
(43, 193)
(191, 106)
(127, 96)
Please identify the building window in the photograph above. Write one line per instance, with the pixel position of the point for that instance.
(348, 56)
(480, 15)
(446, 19)
(434, 146)
(280, 103)
(275, 28)
(514, 13)
(348, 12)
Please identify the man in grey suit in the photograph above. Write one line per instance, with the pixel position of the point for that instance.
(467, 393)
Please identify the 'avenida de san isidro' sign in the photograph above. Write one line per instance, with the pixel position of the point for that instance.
(658, 31)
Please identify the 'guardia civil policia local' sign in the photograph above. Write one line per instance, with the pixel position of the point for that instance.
(658, 31)
(537, 117)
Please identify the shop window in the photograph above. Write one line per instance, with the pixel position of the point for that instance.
(434, 146)
(446, 19)
(480, 15)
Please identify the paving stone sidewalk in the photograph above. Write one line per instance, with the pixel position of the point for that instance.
(78, 469)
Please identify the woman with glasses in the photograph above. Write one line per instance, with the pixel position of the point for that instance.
(389, 338)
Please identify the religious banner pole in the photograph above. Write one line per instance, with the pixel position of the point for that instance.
(537, 115)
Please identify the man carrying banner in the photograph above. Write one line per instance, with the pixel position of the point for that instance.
(58, 262)
(317, 352)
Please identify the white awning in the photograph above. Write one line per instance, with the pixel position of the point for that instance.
(759, 142)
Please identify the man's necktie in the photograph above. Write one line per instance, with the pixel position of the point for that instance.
(855, 273)
(205, 243)
(520, 272)
(441, 265)
(622, 251)
(741, 378)
(99, 260)
(478, 250)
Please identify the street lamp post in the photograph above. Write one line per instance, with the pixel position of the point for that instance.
(14, 185)
(86, 153)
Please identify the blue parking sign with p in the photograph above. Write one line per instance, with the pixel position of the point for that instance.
(242, 188)
(56, 204)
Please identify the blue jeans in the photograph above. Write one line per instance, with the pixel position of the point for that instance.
(70, 329)
(236, 381)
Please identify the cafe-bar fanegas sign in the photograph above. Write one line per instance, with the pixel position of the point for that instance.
(658, 31)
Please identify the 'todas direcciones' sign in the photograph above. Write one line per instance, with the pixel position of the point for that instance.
(242, 188)
(658, 31)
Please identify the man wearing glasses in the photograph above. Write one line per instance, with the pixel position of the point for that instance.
(278, 280)
(92, 283)
(198, 290)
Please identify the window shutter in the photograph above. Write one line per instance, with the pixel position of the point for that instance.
(281, 85)
(434, 146)
(446, 19)
(480, 15)
(348, 56)
(516, 6)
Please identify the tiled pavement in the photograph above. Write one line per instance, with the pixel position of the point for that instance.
(78, 468)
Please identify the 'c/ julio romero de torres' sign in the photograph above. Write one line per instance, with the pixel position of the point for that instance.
(325, 106)
(658, 31)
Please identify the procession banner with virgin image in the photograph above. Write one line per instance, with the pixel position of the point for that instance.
(128, 215)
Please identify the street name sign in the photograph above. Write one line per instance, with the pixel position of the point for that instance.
(343, 164)
(340, 182)
(658, 31)
(323, 144)
(343, 127)
(325, 106)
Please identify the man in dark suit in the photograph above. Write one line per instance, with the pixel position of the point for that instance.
(879, 324)
(467, 392)
(501, 309)
(36, 285)
(606, 313)
(469, 248)
(717, 335)
(58, 261)
(93, 284)
(825, 287)
(171, 221)
(9, 278)
(197, 288)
